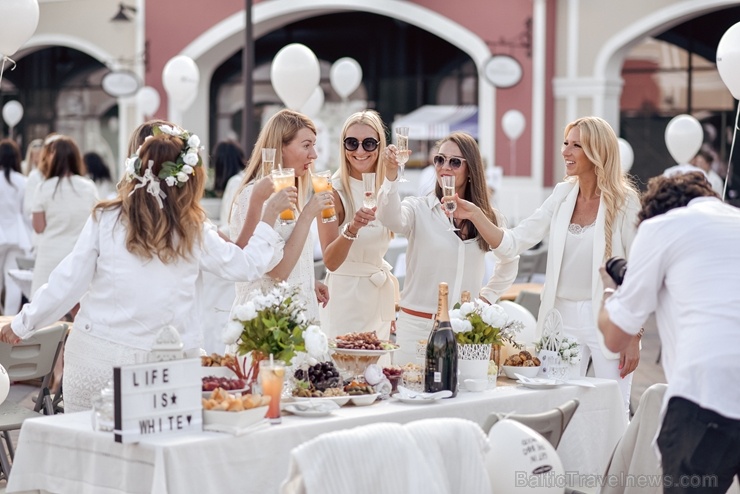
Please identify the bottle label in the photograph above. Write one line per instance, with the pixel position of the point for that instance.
(437, 377)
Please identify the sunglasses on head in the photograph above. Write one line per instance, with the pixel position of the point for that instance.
(440, 159)
(368, 144)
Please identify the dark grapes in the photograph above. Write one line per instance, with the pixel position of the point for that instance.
(322, 375)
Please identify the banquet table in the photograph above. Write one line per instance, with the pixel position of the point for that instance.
(63, 454)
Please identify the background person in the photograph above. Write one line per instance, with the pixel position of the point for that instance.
(704, 160)
(293, 136)
(363, 290)
(592, 216)
(136, 268)
(99, 173)
(435, 253)
(61, 206)
(15, 236)
(228, 160)
(684, 266)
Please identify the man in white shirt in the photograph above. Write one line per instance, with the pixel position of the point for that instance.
(685, 266)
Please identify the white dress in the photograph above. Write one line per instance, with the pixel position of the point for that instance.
(362, 291)
(66, 207)
(302, 275)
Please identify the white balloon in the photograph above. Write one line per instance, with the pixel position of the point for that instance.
(180, 78)
(345, 76)
(517, 312)
(148, 100)
(728, 59)
(4, 384)
(12, 113)
(683, 137)
(522, 461)
(295, 74)
(312, 107)
(626, 155)
(513, 124)
(18, 22)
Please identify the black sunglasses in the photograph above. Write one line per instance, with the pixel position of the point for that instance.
(368, 144)
(440, 159)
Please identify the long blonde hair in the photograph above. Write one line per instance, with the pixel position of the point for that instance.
(279, 131)
(372, 119)
(170, 232)
(601, 146)
(476, 190)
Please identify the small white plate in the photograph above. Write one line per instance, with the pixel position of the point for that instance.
(539, 384)
(364, 400)
(311, 412)
(339, 400)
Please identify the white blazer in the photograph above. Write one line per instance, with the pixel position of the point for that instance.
(554, 217)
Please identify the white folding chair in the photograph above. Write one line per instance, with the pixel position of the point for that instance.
(551, 424)
(33, 358)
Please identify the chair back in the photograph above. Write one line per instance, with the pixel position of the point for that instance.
(530, 301)
(518, 312)
(531, 262)
(34, 357)
(25, 263)
(551, 424)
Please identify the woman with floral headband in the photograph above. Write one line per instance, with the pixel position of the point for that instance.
(293, 136)
(137, 263)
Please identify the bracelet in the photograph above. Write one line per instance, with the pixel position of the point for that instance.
(609, 290)
(348, 234)
(640, 333)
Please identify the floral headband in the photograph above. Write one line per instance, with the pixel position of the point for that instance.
(173, 173)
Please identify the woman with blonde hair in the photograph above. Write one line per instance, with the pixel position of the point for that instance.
(293, 136)
(435, 252)
(359, 279)
(137, 265)
(591, 215)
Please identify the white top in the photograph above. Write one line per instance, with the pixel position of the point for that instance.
(302, 276)
(575, 275)
(362, 289)
(553, 218)
(66, 208)
(14, 229)
(32, 183)
(127, 299)
(435, 254)
(232, 186)
(685, 266)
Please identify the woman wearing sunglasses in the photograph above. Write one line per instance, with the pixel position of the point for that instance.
(363, 290)
(590, 216)
(435, 252)
(293, 136)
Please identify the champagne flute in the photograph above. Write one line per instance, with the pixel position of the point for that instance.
(448, 190)
(402, 143)
(369, 199)
(268, 160)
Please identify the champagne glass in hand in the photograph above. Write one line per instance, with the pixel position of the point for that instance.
(403, 153)
(448, 192)
(369, 199)
(268, 160)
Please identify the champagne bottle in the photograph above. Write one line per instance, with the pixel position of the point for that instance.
(441, 356)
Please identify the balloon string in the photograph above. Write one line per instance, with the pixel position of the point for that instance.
(2, 68)
(728, 176)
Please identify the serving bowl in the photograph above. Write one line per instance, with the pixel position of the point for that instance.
(511, 370)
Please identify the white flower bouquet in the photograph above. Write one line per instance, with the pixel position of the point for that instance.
(565, 346)
(479, 323)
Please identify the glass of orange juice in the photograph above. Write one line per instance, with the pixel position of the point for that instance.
(271, 376)
(284, 178)
(322, 183)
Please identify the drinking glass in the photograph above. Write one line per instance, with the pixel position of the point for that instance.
(402, 143)
(321, 182)
(284, 178)
(271, 376)
(369, 199)
(268, 160)
(448, 190)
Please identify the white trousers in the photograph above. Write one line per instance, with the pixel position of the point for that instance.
(8, 256)
(579, 322)
(410, 332)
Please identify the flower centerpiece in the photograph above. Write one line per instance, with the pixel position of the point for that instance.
(274, 323)
(479, 326)
(558, 353)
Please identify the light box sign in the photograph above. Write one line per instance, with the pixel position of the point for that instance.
(157, 398)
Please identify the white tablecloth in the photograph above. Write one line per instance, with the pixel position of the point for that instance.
(62, 454)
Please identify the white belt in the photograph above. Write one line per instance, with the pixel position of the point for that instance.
(381, 277)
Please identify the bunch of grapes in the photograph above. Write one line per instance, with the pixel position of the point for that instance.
(322, 375)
